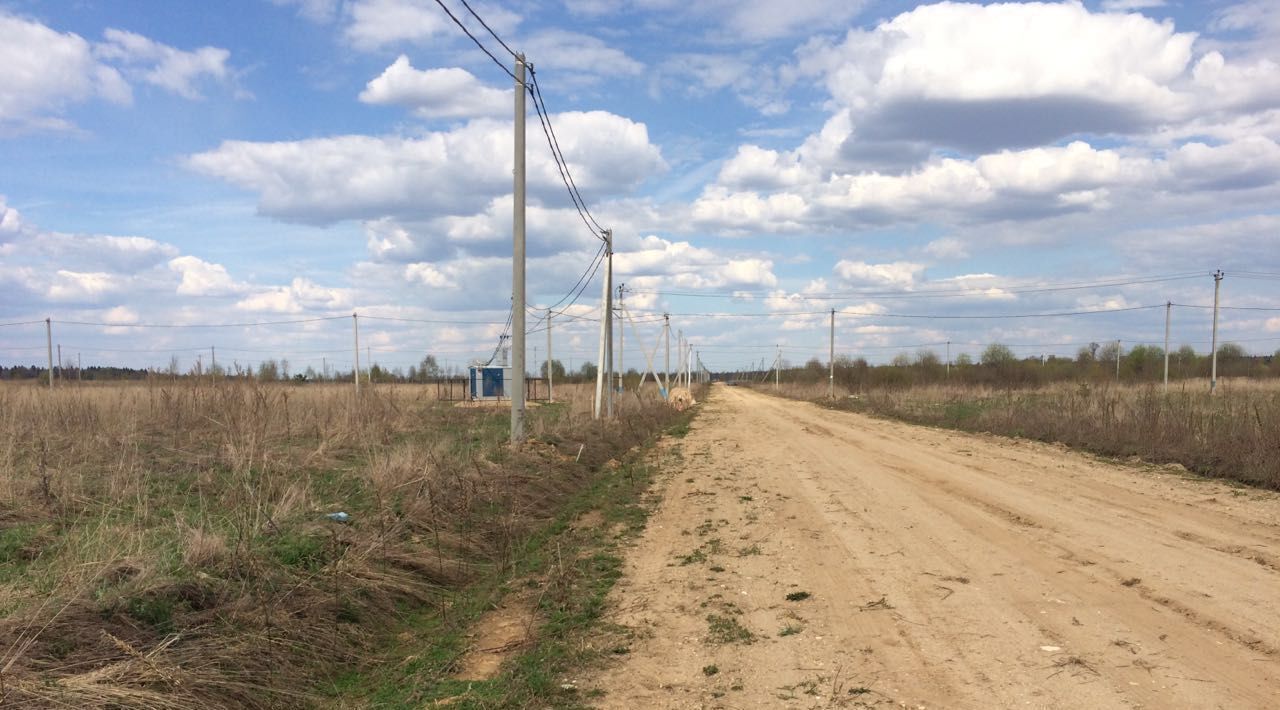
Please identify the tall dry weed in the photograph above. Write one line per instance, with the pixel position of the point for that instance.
(169, 545)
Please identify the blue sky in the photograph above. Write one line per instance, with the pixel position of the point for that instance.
(266, 160)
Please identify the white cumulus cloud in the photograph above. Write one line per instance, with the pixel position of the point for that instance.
(436, 93)
(45, 71)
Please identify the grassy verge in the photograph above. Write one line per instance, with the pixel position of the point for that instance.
(1233, 435)
(172, 547)
(570, 568)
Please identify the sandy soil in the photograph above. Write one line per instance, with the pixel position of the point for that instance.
(944, 570)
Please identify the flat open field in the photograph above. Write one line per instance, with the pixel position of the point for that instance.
(804, 557)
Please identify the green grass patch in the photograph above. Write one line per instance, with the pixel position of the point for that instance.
(726, 629)
(575, 567)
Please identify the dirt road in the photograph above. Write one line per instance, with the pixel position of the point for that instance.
(939, 570)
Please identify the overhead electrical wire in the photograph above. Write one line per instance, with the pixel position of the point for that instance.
(539, 104)
(487, 27)
(562, 163)
(105, 324)
(922, 316)
(477, 42)
(973, 291)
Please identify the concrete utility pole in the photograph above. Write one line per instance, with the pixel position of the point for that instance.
(609, 316)
(1117, 359)
(948, 359)
(1168, 308)
(551, 395)
(666, 372)
(679, 356)
(355, 329)
(213, 361)
(777, 370)
(831, 377)
(1213, 374)
(606, 333)
(517, 264)
(622, 336)
(48, 334)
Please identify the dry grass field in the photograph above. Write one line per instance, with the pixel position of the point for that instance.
(1234, 434)
(170, 545)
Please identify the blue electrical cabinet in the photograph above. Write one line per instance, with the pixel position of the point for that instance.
(489, 382)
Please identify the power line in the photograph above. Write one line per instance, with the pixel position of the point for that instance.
(434, 322)
(1226, 308)
(938, 293)
(922, 316)
(197, 325)
(487, 27)
(25, 322)
(478, 43)
(562, 163)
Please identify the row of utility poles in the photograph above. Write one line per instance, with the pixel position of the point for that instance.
(1213, 376)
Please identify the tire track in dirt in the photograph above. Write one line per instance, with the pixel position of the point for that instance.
(943, 570)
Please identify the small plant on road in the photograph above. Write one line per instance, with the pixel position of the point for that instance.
(726, 629)
(797, 596)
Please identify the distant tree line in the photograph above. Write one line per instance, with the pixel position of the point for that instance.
(997, 365)
(272, 370)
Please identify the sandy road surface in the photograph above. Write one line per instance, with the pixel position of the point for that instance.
(944, 570)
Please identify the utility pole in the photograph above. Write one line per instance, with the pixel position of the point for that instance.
(213, 361)
(831, 376)
(1213, 374)
(551, 397)
(622, 336)
(606, 310)
(666, 372)
(517, 263)
(1117, 359)
(948, 359)
(609, 317)
(48, 334)
(1168, 309)
(355, 329)
(679, 355)
(777, 370)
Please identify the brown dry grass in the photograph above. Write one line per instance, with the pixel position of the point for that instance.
(1234, 434)
(166, 545)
